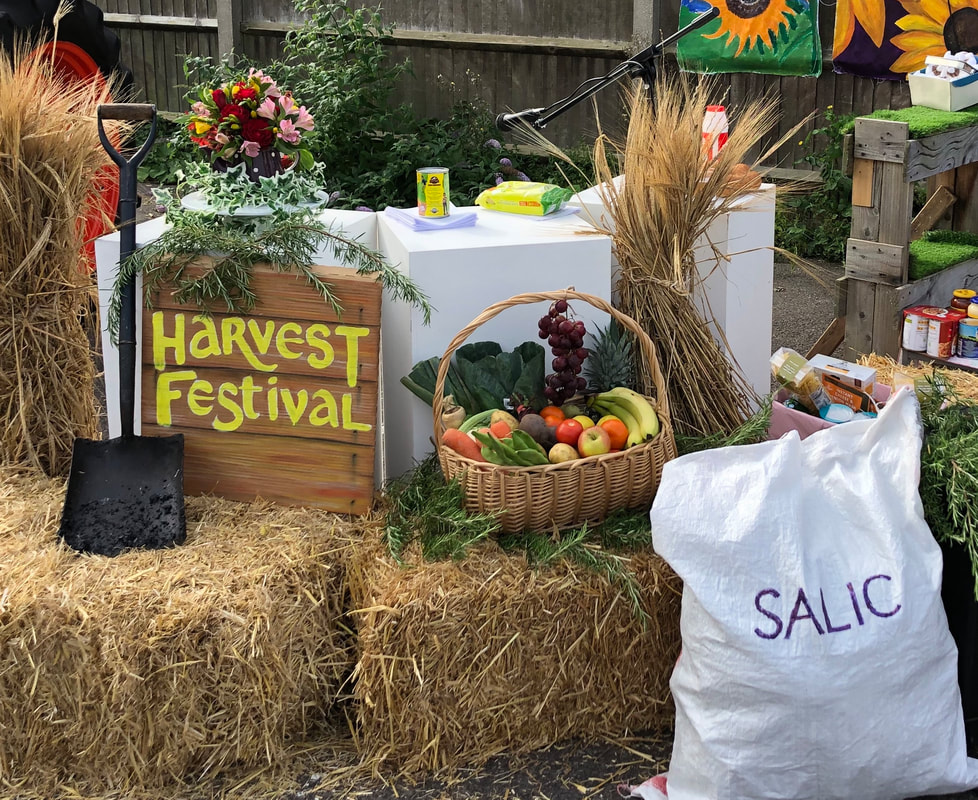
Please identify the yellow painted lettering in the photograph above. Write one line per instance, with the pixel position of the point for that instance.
(161, 342)
(289, 333)
(295, 407)
(200, 398)
(272, 399)
(166, 394)
(224, 394)
(352, 334)
(348, 422)
(204, 342)
(232, 333)
(262, 340)
(248, 392)
(324, 413)
(317, 337)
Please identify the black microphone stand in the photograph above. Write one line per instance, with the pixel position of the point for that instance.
(641, 65)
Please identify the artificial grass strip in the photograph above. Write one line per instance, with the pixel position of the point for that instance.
(926, 121)
(937, 250)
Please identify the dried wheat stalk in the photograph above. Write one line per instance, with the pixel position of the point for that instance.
(49, 155)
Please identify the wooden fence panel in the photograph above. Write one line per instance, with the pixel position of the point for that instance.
(512, 54)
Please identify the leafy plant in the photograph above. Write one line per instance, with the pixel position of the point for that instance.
(172, 152)
(816, 224)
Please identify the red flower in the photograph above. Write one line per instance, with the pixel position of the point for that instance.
(258, 130)
(246, 94)
(219, 98)
(234, 110)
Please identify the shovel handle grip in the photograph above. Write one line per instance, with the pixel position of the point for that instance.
(131, 112)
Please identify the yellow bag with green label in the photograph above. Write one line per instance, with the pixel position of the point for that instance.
(524, 197)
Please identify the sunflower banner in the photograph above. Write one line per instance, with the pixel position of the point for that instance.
(774, 37)
(889, 38)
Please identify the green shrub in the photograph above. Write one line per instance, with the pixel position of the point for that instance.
(817, 224)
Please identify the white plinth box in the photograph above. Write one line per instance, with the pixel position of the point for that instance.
(463, 271)
(735, 263)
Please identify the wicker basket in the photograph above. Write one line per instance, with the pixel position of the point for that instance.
(570, 493)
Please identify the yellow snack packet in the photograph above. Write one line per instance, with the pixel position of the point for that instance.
(524, 197)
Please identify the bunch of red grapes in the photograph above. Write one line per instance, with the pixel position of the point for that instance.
(566, 339)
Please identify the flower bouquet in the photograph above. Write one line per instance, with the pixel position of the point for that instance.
(251, 121)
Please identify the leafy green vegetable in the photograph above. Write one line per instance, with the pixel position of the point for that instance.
(482, 376)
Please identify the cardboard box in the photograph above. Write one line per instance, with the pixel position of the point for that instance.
(785, 419)
(855, 375)
(945, 95)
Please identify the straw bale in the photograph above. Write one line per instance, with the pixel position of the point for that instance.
(965, 383)
(168, 664)
(459, 661)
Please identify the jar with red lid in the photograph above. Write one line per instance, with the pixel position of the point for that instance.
(962, 298)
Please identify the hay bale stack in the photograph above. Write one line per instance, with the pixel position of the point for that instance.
(460, 661)
(965, 383)
(49, 158)
(160, 665)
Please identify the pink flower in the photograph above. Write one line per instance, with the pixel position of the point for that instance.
(251, 149)
(287, 132)
(271, 90)
(201, 110)
(288, 104)
(267, 109)
(304, 119)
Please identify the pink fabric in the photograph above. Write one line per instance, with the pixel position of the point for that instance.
(787, 419)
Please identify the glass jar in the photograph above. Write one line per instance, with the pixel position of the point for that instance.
(962, 298)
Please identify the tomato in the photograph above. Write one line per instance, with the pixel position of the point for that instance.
(569, 431)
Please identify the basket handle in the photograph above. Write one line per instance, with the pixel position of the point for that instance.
(645, 344)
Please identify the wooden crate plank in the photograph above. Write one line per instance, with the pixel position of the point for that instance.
(965, 214)
(934, 184)
(936, 289)
(286, 295)
(896, 203)
(876, 261)
(860, 310)
(862, 182)
(887, 322)
(935, 208)
(290, 471)
(234, 402)
(881, 140)
(941, 152)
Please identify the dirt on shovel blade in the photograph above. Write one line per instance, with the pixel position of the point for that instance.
(125, 493)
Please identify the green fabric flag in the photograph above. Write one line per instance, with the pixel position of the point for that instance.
(774, 37)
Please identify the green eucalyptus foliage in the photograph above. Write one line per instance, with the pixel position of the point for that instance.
(816, 224)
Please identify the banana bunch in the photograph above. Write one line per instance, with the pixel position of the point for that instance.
(632, 409)
(518, 451)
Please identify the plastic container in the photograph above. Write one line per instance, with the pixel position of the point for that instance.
(716, 129)
(837, 413)
(962, 298)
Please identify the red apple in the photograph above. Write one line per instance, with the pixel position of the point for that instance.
(569, 431)
(594, 441)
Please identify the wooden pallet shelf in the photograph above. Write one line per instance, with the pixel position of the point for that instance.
(887, 163)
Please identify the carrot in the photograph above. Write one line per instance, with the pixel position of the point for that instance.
(462, 443)
(501, 430)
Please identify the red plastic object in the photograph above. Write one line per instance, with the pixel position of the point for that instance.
(74, 64)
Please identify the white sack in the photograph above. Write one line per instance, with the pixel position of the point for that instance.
(816, 661)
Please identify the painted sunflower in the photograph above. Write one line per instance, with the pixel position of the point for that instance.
(752, 23)
(931, 28)
(871, 16)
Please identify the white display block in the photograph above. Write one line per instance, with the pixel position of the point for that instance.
(735, 263)
(358, 225)
(463, 271)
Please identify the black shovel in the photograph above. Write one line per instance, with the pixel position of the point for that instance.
(125, 492)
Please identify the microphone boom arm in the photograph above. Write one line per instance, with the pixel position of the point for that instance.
(639, 64)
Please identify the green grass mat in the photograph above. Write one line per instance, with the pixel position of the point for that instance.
(926, 121)
(937, 250)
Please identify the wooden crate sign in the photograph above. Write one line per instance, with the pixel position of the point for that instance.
(279, 404)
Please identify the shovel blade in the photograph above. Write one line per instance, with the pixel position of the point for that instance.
(124, 493)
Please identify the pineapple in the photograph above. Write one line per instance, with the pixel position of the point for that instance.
(610, 360)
